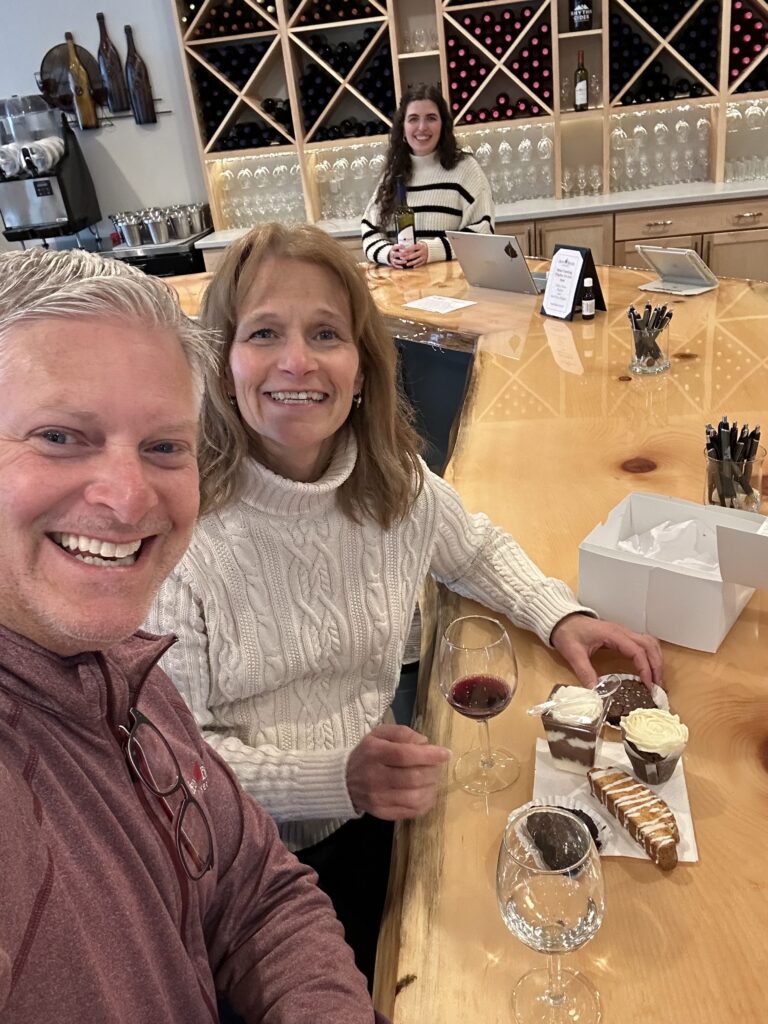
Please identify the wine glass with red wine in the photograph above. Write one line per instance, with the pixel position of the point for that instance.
(478, 677)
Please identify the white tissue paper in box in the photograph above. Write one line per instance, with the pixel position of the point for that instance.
(675, 600)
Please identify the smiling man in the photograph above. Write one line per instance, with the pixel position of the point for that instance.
(138, 881)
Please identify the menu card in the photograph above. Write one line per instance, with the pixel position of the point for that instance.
(562, 281)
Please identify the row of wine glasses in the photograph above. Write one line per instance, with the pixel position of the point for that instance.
(583, 181)
(552, 906)
(660, 147)
(346, 178)
(518, 161)
(745, 149)
(420, 40)
(256, 190)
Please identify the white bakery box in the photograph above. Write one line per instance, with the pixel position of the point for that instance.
(685, 605)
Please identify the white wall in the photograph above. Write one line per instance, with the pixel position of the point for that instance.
(132, 165)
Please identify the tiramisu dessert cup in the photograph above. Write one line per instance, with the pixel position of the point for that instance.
(572, 727)
(653, 741)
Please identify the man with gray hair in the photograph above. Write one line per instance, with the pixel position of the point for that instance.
(137, 879)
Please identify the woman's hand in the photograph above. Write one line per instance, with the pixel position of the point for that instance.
(393, 773)
(578, 636)
(397, 256)
(416, 255)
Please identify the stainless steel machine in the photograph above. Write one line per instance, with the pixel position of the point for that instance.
(46, 190)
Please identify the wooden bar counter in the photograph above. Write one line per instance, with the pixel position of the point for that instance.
(553, 433)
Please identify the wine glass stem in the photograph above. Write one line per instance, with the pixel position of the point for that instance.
(486, 760)
(555, 993)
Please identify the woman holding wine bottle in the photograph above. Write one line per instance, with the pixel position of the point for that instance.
(445, 189)
(320, 522)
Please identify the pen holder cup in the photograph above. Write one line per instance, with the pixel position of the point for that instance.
(733, 484)
(650, 350)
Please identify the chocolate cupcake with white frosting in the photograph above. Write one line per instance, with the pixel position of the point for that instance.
(654, 739)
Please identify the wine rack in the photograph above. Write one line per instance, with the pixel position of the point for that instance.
(343, 75)
(316, 82)
(499, 61)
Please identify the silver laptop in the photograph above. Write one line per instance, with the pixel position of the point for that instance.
(495, 261)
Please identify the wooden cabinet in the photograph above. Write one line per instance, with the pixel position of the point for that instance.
(594, 231)
(737, 253)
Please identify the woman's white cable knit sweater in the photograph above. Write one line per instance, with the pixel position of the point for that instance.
(455, 200)
(292, 621)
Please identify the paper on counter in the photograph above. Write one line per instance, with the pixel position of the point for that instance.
(550, 781)
(438, 304)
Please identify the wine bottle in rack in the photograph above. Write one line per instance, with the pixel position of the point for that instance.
(79, 83)
(111, 70)
(139, 86)
(579, 15)
(580, 85)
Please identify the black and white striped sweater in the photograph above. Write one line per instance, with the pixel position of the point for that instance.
(455, 200)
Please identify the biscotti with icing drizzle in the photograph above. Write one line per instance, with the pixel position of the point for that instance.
(642, 813)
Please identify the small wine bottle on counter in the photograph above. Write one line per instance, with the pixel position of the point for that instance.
(405, 220)
(587, 300)
(82, 98)
(111, 70)
(580, 85)
(139, 87)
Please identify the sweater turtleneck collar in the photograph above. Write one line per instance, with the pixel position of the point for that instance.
(268, 492)
(422, 163)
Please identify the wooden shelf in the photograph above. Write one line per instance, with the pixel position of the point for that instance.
(280, 51)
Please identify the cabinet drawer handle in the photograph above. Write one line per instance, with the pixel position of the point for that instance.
(748, 216)
(658, 223)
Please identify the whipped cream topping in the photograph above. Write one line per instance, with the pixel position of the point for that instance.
(576, 706)
(655, 731)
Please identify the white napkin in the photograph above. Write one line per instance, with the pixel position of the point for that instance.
(550, 781)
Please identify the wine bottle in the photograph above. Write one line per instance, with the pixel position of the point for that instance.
(587, 300)
(111, 69)
(139, 87)
(579, 15)
(405, 220)
(82, 98)
(580, 85)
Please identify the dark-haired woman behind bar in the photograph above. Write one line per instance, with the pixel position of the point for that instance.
(445, 187)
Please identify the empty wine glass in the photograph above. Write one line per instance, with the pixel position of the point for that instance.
(661, 133)
(581, 179)
(549, 888)
(544, 148)
(703, 129)
(524, 149)
(483, 154)
(754, 117)
(420, 39)
(618, 138)
(595, 180)
(689, 160)
(594, 88)
(640, 135)
(683, 131)
(478, 677)
(567, 181)
(505, 152)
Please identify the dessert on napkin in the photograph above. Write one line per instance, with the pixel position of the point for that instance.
(640, 811)
(653, 740)
(572, 726)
